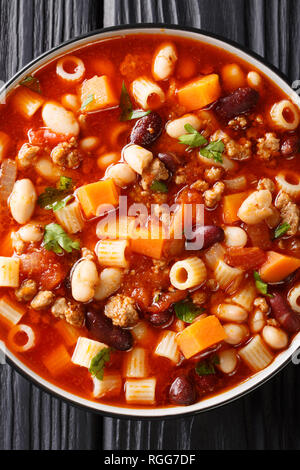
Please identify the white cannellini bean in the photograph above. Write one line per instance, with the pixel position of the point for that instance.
(235, 334)
(71, 102)
(276, 338)
(235, 236)
(254, 79)
(45, 168)
(164, 61)
(231, 312)
(256, 207)
(32, 232)
(59, 119)
(22, 201)
(257, 320)
(228, 361)
(89, 144)
(109, 282)
(122, 174)
(176, 128)
(84, 281)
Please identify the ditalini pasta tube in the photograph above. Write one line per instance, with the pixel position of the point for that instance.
(85, 350)
(113, 253)
(109, 386)
(70, 217)
(10, 312)
(136, 365)
(256, 354)
(292, 189)
(30, 338)
(9, 272)
(188, 273)
(167, 347)
(140, 391)
(279, 113)
(70, 77)
(147, 93)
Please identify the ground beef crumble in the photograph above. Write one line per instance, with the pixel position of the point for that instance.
(121, 310)
(289, 212)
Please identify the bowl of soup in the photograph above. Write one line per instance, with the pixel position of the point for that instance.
(149, 189)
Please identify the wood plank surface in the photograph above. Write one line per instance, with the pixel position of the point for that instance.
(268, 417)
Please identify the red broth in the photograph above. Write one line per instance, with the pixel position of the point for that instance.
(251, 139)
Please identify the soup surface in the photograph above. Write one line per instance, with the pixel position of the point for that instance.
(149, 195)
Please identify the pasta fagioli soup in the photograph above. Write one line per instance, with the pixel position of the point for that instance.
(149, 245)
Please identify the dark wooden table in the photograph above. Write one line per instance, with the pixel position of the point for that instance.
(269, 417)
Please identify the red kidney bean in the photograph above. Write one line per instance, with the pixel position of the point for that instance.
(160, 318)
(102, 329)
(284, 314)
(147, 130)
(206, 234)
(290, 145)
(182, 391)
(170, 161)
(240, 101)
(206, 383)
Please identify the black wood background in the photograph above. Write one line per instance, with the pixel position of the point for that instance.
(268, 418)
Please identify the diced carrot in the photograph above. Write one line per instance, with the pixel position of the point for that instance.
(278, 267)
(200, 335)
(199, 93)
(231, 205)
(144, 243)
(68, 332)
(245, 258)
(57, 360)
(98, 93)
(93, 196)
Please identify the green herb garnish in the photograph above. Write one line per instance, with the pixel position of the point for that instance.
(281, 230)
(207, 367)
(32, 83)
(260, 285)
(65, 183)
(213, 151)
(89, 100)
(98, 363)
(57, 240)
(159, 187)
(187, 311)
(128, 113)
(56, 198)
(193, 138)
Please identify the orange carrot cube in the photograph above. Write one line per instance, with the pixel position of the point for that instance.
(278, 267)
(95, 197)
(200, 335)
(199, 93)
(231, 205)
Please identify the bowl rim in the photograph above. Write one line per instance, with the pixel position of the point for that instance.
(232, 394)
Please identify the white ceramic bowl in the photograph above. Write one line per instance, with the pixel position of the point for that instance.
(283, 358)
